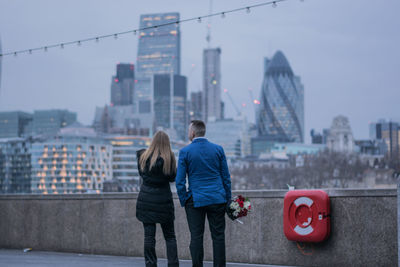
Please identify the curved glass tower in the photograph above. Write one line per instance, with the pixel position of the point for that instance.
(280, 116)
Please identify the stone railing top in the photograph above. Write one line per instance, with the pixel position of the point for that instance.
(247, 193)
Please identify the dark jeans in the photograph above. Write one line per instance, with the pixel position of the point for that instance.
(150, 256)
(216, 219)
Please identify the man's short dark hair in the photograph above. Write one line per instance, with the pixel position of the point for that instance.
(199, 128)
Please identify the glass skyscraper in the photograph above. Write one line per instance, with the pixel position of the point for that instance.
(159, 48)
(159, 52)
(122, 85)
(170, 105)
(212, 84)
(196, 106)
(280, 115)
(389, 132)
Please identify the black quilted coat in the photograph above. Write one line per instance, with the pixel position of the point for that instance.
(154, 203)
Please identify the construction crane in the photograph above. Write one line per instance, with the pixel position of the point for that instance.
(233, 102)
(208, 37)
(252, 99)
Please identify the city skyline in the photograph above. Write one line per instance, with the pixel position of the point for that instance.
(345, 66)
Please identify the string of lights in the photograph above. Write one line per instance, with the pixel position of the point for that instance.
(199, 19)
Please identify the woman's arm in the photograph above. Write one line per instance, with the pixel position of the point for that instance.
(172, 176)
(138, 154)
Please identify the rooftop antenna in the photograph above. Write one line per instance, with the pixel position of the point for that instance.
(208, 38)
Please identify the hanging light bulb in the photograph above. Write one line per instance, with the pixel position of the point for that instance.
(199, 20)
(223, 15)
(79, 43)
(247, 10)
(97, 39)
(45, 49)
(115, 36)
(134, 32)
(62, 46)
(15, 54)
(274, 4)
(30, 51)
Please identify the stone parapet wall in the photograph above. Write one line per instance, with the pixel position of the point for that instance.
(364, 228)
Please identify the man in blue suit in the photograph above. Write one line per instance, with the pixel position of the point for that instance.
(209, 190)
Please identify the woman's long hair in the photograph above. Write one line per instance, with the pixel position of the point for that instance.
(159, 147)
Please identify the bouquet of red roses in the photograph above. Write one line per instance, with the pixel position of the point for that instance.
(238, 207)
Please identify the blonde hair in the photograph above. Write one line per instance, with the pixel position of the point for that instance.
(159, 147)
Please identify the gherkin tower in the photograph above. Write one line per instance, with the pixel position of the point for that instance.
(280, 115)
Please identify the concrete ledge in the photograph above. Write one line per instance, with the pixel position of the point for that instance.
(248, 193)
(363, 229)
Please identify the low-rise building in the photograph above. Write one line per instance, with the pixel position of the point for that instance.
(15, 165)
(72, 162)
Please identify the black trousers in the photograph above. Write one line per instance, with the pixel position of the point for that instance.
(150, 256)
(196, 220)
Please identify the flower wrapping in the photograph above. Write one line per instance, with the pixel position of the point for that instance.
(238, 207)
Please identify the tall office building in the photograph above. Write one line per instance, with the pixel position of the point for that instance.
(212, 84)
(159, 48)
(389, 132)
(15, 124)
(196, 106)
(170, 104)
(49, 122)
(280, 115)
(159, 52)
(15, 165)
(122, 85)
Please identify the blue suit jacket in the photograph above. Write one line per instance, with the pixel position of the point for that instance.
(207, 171)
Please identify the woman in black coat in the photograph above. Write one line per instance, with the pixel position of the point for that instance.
(157, 167)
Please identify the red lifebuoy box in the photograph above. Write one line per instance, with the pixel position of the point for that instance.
(306, 215)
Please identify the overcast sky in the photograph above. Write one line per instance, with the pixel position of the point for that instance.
(346, 53)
